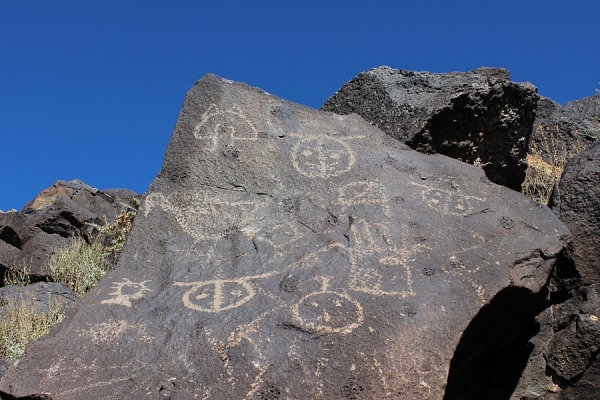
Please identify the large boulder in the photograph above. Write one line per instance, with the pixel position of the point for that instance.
(479, 117)
(565, 363)
(285, 252)
(561, 132)
(576, 201)
(63, 211)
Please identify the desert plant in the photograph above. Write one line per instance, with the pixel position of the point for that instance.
(18, 276)
(20, 323)
(82, 263)
(79, 264)
(546, 161)
(113, 236)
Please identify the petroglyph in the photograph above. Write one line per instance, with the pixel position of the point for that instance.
(219, 295)
(323, 156)
(365, 194)
(280, 236)
(449, 202)
(378, 267)
(460, 270)
(224, 126)
(205, 216)
(326, 311)
(110, 331)
(127, 291)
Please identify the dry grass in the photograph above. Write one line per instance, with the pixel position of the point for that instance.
(20, 323)
(546, 162)
(18, 276)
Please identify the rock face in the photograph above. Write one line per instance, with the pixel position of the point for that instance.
(573, 351)
(576, 201)
(51, 219)
(479, 117)
(565, 363)
(566, 130)
(284, 252)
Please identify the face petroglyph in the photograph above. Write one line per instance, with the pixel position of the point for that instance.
(323, 156)
(218, 295)
(327, 311)
(448, 202)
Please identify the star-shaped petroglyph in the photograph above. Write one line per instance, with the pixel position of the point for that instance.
(127, 291)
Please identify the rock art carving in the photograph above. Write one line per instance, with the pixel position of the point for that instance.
(326, 311)
(378, 267)
(205, 216)
(219, 295)
(228, 126)
(448, 202)
(323, 156)
(127, 291)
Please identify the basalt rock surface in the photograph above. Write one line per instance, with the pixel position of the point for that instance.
(479, 117)
(51, 220)
(285, 252)
(565, 363)
(563, 131)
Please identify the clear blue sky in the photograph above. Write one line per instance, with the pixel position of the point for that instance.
(92, 89)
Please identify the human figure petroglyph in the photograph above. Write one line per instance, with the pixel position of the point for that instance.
(219, 295)
(323, 156)
(325, 311)
(127, 291)
(449, 202)
(378, 267)
(228, 126)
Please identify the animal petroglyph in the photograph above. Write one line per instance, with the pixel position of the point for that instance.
(205, 216)
(225, 126)
(326, 311)
(127, 291)
(219, 295)
(323, 156)
(448, 202)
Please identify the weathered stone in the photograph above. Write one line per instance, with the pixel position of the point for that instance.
(571, 362)
(41, 296)
(479, 117)
(284, 252)
(48, 222)
(576, 201)
(561, 132)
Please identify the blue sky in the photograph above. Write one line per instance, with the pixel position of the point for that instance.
(92, 89)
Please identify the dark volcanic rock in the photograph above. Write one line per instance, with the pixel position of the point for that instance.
(41, 295)
(564, 131)
(569, 339)
(49, 221)
(284, 252)
(479, 117)
(576, 201)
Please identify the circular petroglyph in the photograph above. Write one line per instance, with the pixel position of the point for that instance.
(218, 296)
(326, 311)
(322, 157)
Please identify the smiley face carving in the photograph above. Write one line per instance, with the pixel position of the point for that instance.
(322, 156)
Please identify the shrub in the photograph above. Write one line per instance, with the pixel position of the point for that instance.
(18, 276)
(546, 162)
(79, 264)
(20, 323)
